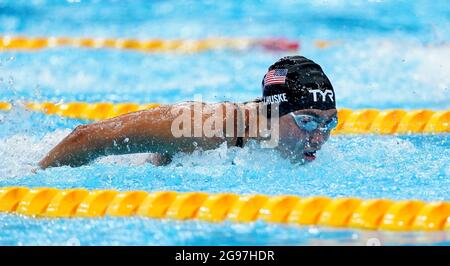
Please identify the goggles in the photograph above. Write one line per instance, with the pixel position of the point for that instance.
(311, 123)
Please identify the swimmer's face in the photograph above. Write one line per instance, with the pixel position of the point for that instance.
(299, 144)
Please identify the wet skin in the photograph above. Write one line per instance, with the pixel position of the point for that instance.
(150, 131)
(147, 131)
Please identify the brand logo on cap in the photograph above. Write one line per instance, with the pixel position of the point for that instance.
(323, 95)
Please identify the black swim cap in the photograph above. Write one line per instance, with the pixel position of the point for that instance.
(296, 83)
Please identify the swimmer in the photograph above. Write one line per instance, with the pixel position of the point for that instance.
(296, 94)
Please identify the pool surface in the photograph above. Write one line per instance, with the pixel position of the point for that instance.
(385, 55)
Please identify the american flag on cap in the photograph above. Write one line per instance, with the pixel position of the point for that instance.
(275, 76)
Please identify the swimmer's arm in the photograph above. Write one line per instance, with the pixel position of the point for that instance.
(144, 131)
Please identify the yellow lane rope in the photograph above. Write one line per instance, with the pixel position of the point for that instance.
(152, 45)
(405, 215)
(23, 43)
(364, 121)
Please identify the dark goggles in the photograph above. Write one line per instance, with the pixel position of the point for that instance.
(311, 123)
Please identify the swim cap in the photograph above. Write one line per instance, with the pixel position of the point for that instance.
(296, 83)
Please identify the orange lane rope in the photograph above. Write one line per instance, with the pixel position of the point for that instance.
(152, 45)
(370, 214)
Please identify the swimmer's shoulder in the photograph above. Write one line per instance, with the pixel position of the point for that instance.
(228, 105)
(243, 105)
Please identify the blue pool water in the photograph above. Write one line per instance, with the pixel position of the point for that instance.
(391, 54)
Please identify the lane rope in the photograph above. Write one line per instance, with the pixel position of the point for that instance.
(372, 214)
(22, 43)
(365, 121)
